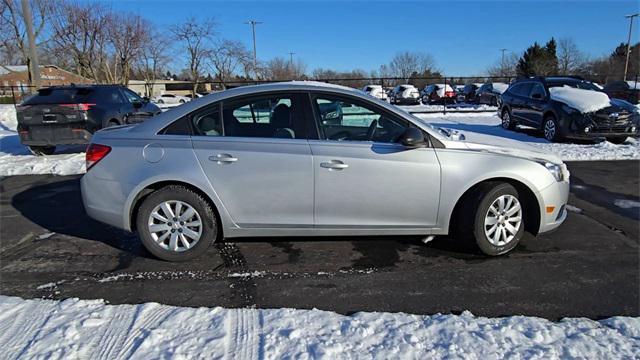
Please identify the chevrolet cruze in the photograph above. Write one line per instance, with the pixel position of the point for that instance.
(268, 160)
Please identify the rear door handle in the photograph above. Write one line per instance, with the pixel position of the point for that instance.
(334, 165)
(223, 158)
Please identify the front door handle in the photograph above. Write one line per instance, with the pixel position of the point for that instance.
(334, 165)
(223, 158)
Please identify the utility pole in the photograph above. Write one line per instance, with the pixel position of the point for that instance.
(291, 58)
(502, 62)
(626, 64)
(34, 67)
(253, 24)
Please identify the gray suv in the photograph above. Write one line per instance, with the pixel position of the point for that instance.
(311, 159)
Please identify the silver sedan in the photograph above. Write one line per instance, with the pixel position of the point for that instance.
(311, 159)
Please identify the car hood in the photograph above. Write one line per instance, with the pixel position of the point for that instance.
(497, 145)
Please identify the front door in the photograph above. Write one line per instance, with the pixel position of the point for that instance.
(363, 178)
(255, 154)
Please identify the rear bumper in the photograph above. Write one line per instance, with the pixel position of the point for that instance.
(46, 135)
(104, 200)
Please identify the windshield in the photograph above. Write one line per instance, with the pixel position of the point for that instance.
(585, 85)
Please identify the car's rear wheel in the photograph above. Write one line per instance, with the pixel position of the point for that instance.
(42, 150)
(507, 122)
(550, 129)
(160, 101)
(617, 139)
(493, 215)
(176, 224)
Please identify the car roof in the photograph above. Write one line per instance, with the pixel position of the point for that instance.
(160, 121)
(83, 86)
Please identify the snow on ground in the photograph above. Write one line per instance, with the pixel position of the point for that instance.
(489, 123)
(92, 329)
(16, 159)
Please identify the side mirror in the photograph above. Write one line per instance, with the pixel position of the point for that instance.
(412, 138)
(137, 104)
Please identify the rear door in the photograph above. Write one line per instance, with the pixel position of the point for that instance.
(364, 179)
(519, 98)
(534, 106)
(255, 153)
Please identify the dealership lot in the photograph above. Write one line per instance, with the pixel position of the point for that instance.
(51, 249)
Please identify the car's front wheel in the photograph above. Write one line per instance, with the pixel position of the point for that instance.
(507, 122)
(617, 139)
(494, 216)
(550, 129)
(42, 150)
(176, 223)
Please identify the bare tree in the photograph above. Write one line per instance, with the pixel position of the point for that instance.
(281, 69)
(152, 61)
(570, 59)
(196, 37)
(127, 35)
(504, 69)
(81, 31)
(12, 28)
(227, 57)
(405, 63)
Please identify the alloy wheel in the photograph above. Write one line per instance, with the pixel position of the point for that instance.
(503, 220)
(506, 120)
(175, 225)
(550, 130)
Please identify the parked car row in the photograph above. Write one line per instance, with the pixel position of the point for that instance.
(408, 94)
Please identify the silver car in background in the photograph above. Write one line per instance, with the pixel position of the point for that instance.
(311, 159)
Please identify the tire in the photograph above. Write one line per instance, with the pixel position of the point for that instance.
(160, 243)
(550, 129)
(507, 120)
(475, 212)
(42, 150)
(181, 101)
(160, 101)
(617, 139)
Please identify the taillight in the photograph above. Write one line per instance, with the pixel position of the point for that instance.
(95, 153)
(79, 107)
(449, 93)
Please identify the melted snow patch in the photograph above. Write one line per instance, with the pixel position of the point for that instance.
(90, 328)
(585, 101)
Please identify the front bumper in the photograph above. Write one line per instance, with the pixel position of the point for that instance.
(556, 195)
(414, 101)
(48, 135)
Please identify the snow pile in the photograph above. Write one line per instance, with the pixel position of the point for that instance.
(16, 159)
(8, 120)
(585, 101)
(91, 329)
(500, 87)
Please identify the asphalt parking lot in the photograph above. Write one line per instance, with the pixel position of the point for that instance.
(589, 267)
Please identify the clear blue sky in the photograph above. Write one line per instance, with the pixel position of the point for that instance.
(463, 37)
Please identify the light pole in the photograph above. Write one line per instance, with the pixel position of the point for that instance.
(253, 24)
(291, 64)
(626, 63)
(502, 62)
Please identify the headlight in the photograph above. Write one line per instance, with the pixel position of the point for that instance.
(554, 169)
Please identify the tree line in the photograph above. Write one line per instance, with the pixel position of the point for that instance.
(563, 57)
(108, 46)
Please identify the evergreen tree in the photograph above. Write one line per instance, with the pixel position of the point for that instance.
(538, 60)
